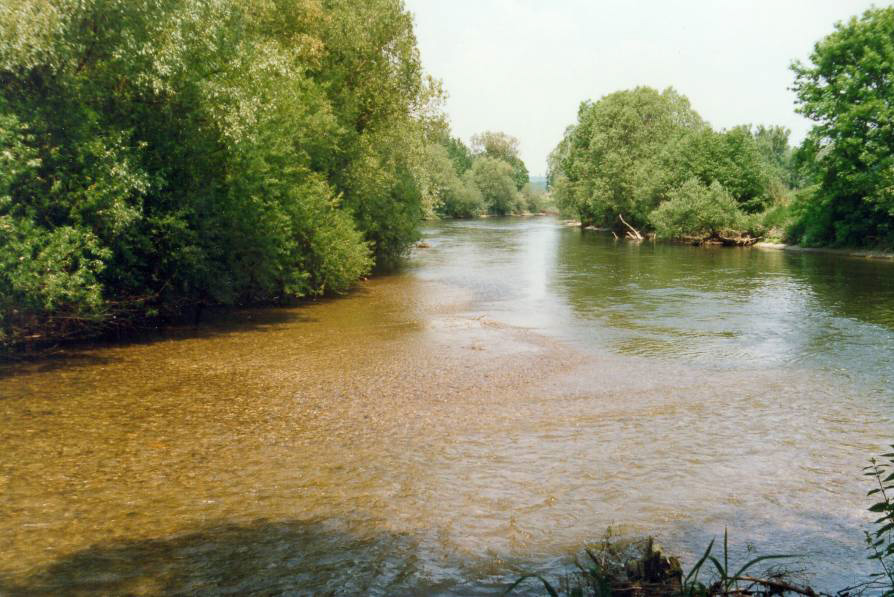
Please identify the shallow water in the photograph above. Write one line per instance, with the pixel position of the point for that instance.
(517, 389)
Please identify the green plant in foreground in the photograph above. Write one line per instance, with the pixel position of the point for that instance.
(611, 576)
(546, 585)
(881, 540)
(726, 583)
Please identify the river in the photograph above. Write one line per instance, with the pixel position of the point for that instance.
(515, 390)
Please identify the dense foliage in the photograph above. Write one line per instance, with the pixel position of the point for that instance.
(496, 181)
(694, 209)
(647, 157)
(488, 178)
(162, 154)
(609, 156)
(502, 147)
(848, 155)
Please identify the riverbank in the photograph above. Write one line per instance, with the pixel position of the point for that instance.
(884, 255)
(844, 252)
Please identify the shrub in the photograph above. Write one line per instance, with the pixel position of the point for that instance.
(696, 210)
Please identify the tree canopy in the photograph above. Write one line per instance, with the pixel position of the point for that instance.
(162, 154)
(608, 158)
(846, 90)
(495, 178)
(633, 151)
(494, 144)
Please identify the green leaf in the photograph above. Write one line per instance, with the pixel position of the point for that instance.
(720, 569)
(549, 588)
(698, 565)
(763, 559)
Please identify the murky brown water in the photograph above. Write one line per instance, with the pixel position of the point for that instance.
(516, 390)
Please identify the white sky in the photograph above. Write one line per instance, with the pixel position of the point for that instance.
(523, 66)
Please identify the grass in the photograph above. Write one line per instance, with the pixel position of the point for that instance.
(616, 569)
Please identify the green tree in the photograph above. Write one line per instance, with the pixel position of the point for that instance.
(447, 192)
(47, 274)
(463, 198)
(846, 90)
(459, 153)
(557, 182)
(533, 200)
(496, 182)
(633, 151)
(168, 153)
(773, 146)
(610, 157)
(730, 157)
(502, 147)
(373, 74)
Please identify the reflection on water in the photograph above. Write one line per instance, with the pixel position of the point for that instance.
(519, 388)
(729, 307)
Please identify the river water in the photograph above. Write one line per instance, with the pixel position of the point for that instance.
(518, 388)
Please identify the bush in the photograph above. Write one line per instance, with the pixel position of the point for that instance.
(880, 541)
(696, 210)
(49, 281)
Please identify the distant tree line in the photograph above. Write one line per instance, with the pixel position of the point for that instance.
(488, 178)
(161, 155)
(647, 158)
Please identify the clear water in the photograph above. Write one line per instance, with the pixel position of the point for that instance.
(517, 389)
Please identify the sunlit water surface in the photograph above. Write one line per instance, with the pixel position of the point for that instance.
(519, 388)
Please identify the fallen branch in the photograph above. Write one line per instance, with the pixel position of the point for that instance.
(738, 241)
(778, 586)
(633, 234)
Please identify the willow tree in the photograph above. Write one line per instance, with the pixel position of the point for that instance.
(731, 158)
(609, 157)
(169, 153)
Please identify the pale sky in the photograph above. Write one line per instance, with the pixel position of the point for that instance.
(524, 66)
